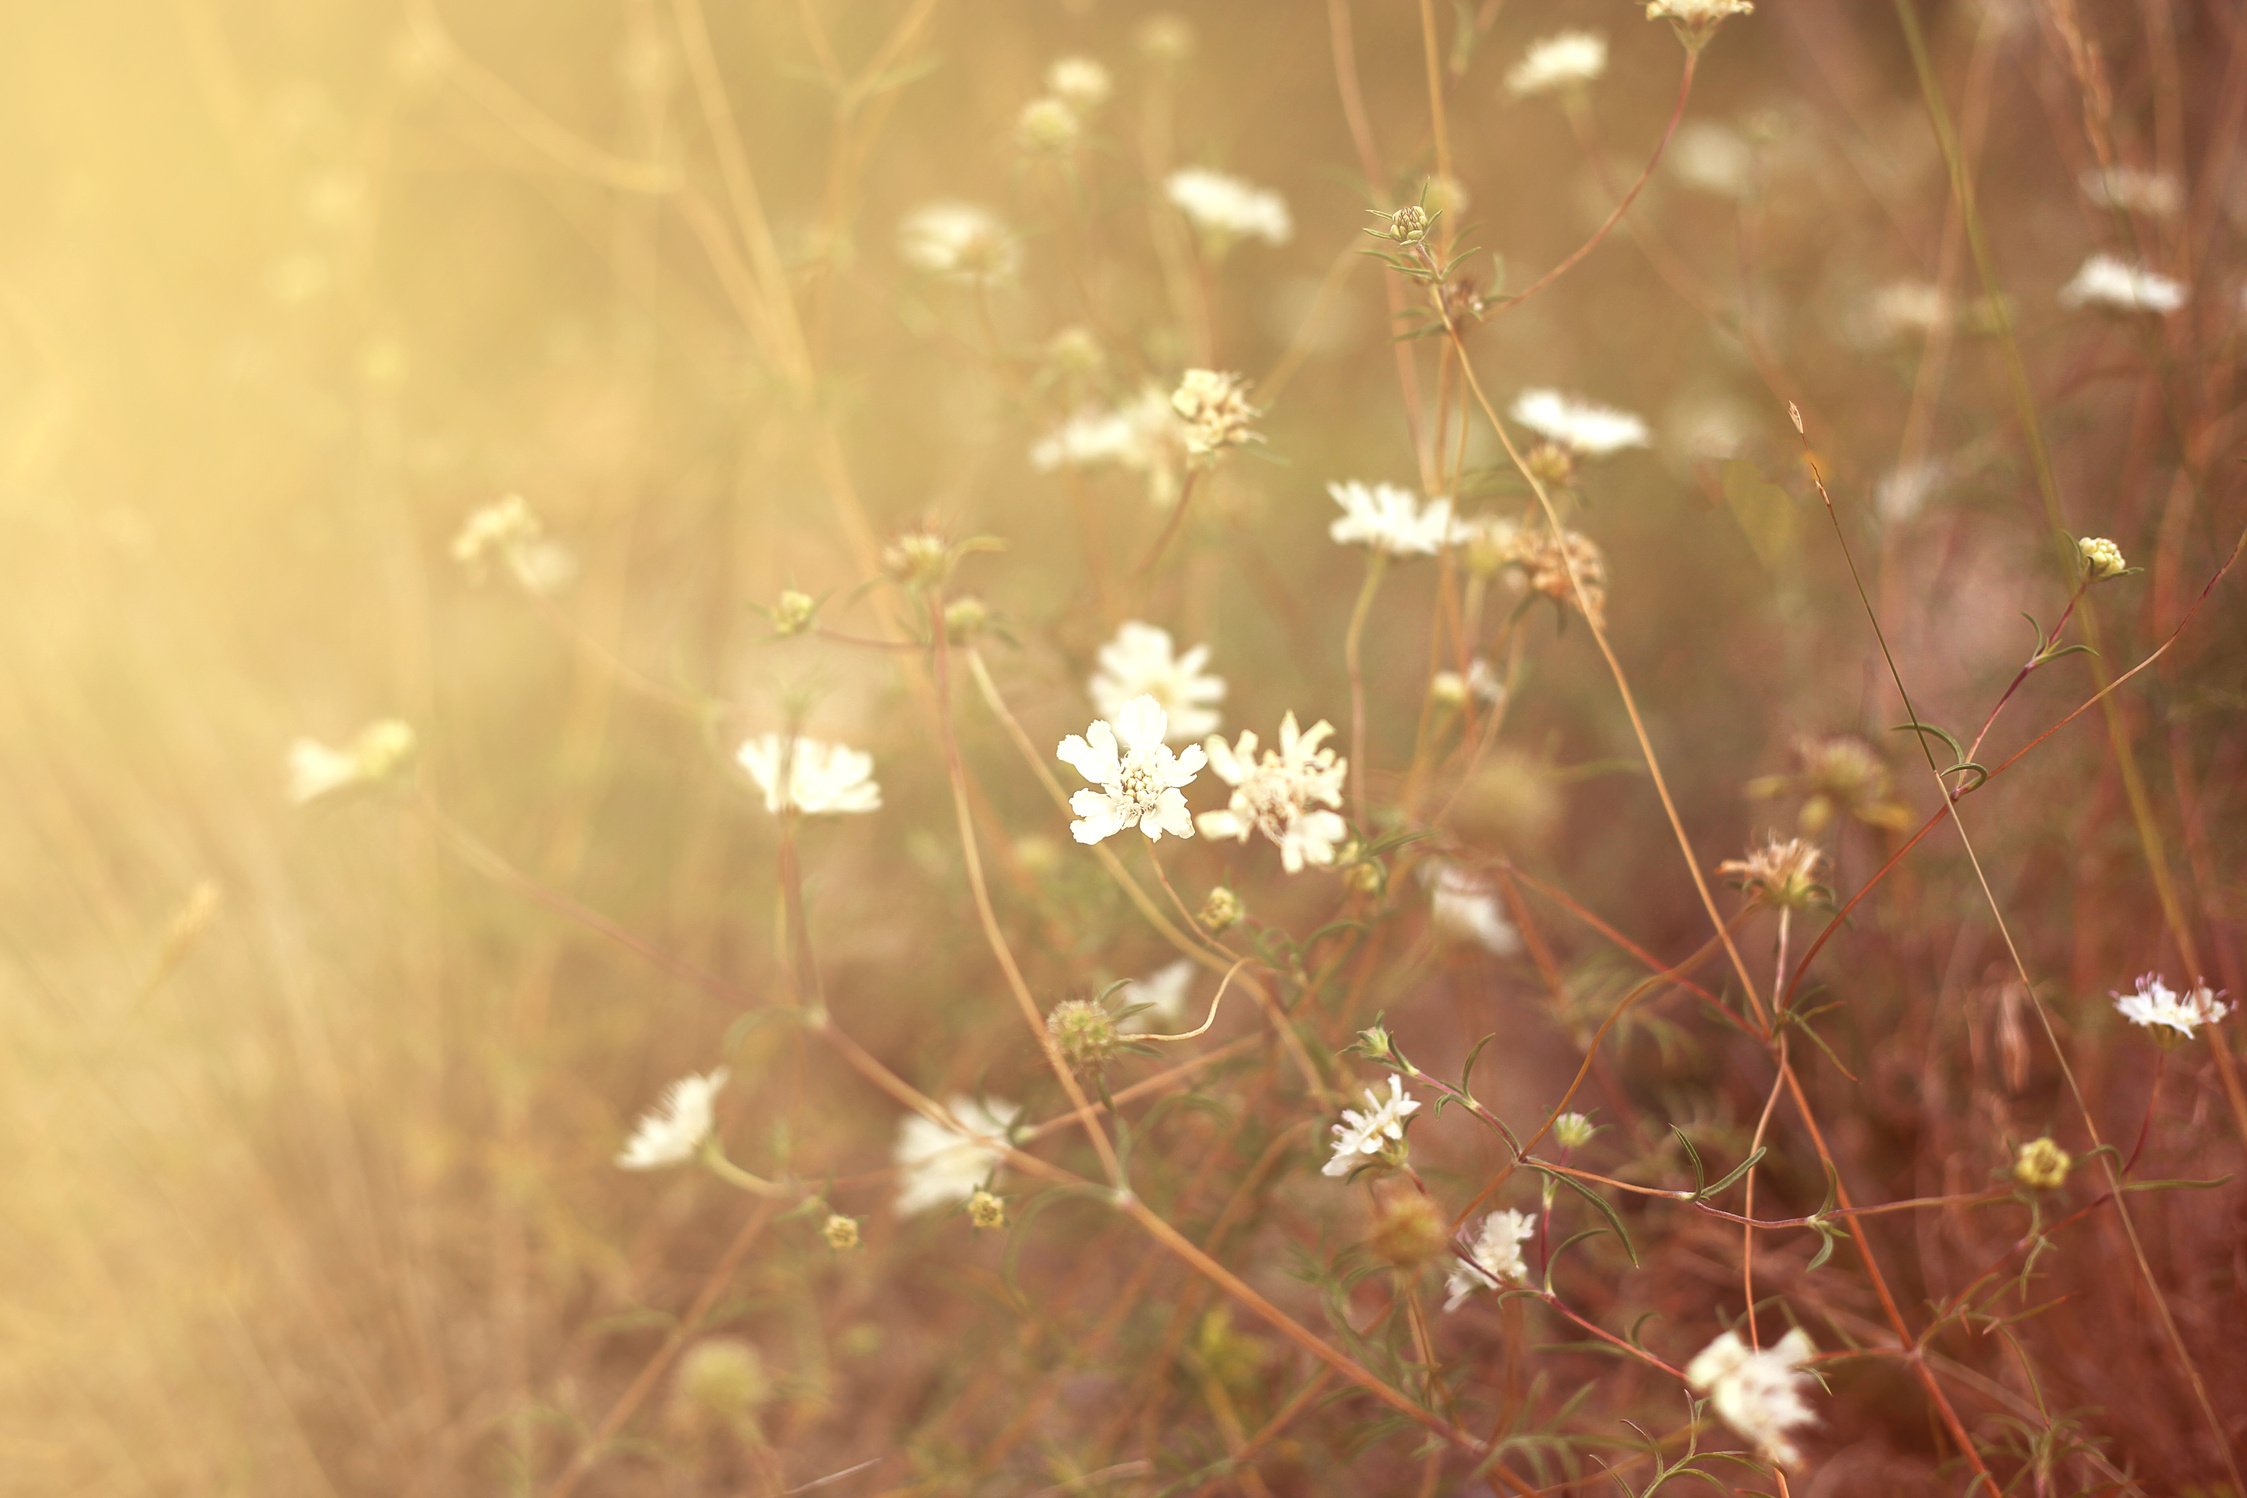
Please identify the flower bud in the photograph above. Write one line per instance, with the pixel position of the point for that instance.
(840, 1232)
(986, 1211)
(794, 612)
(1221, 911)
(1084, 1032)
(2042, 1165)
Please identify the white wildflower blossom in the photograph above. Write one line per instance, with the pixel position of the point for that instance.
(1360, 1135)
(2122, 286)
(509, 531)
(1695, 21)
(1141, 435)
(1227, 209)
(1136, 780)
(1286, 794)
(1389, 519)
(1567, 59)
(1712, 157)
(2154, 1005)
(1493, 1259)
(377, 752)
(1164, 992)
(1583, 428)
(1906, 309)
(675, 1129)
(1759, 1393)
(1462, 908)
(822, 779)
(1080, 82)
(1141, 661)
(959, 239)
(938, 1164)
(1479, 682)
(2133, 190)
(1213, 405)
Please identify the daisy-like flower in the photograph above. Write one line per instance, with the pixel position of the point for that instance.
(1759, 1393)
(1464, 909)
(2122, 286)
(959, 239)
(1081, 83)
(1141, 662)
(376, 753)
(1783, 875)
(675, 1129)
(509, 532)
(1389, 519)
(1567, 59)
(938, 1164)
(2156, 1006)
(1163, 992)
(1214, 406)
(1285, 794)
(1583, 428)
(822, 779)
(1495, 1258)
(1136, 780)
(1227, 209)
(1360, 1135)
(2133, 190)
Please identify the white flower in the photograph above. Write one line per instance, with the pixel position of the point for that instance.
(1361, 1134)
(1906, 309)
(1141, 662)
(1389, 519)
(958, 239)
(1226, 209)
(2105, 281)
(1714, 158)
(1757, 1393)
(1903, 492)
(1080, 82)
(1578, 425)
(1164, 992)
(1568, 59)
(2133, 190)
(1135, 782)
(1452, 689)
(1696, 20)
(1048, 125)
(673, 1130)
(1284, 794)
(1214, 407)
(823, 779)
(377, 752)
(1494, 1259)
(1463, 909)
(1141, 435)
(937, 1164)
(507, 528)
(2155, 1005)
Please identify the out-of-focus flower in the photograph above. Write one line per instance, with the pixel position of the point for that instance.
(821, 779)
(1084, 1031)
(1214, 406)
(1839, 776)
(1488, 543)
(675, 1129)
(1494, 1259)
(1906, 309)
(2122, 286)
(1712, 157)
(1163, 992)
(1555, 568)
(2171, 1015)
(723, 1380)
(1783, 875)
(1141, 662)
(1565, 60)
(1759, 1393)
(959, 239)
(1136, 780)
(1389, 519)
(1462, 908)
(2133, 190)
(1361, 1135)
(986, 1211)
(1048, 127)
(938, 1164)
(1409, 1230)
(1226, 209)
(1479, 682)
(793, 613)
(1142, 435)
(1284, 794)
(2042, 1165)
(1080, 82)
(1573, 1130)
(1588, 430)
(508, 531)
(376, 753)
(2102, 559)
(1221, 911)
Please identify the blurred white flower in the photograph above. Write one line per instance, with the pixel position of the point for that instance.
(1080, 82)
(1495, 1257)
(1906, 309)
(1583, 428)
(938, 1164)
(2156, 1006)
(1463, 909)
(1226, 209)
(1389, 519)
(1567, 59)
(1048, 125)
(822, 779)
(1903, 492)
(674, 1130)
(1359, 1135)
(1452, 689)
(377, 752)
(1214, 406)
(1164, 992)
(1759, 1393)
(2105, 281)
(1136, 780)
(1142, 435)
(2133, 190)
(1141, 662)
(1712, 157)
(508, 530)
(959, 239)
(1284, 794)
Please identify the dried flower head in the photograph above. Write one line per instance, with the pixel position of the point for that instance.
(2042, 1165)
(1214, 407)
(808, 776)
(1837, 776)
(959, 240)
(378, 753)
(1759, 1393)
(1782, 875)
(1493, 1259)
(1227, 210)
(1085, 1033)
(2102, 559)
(1141, 661)
(1286, 793)
(676, 1128)
(1569, 570)
(919, 557)
(1389, 519)
(1136, 781)
(1565, 60)
(2173, 1017)
(939, 1163)
(2116, 285)
(1360, 1136)
(1408, 1229)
